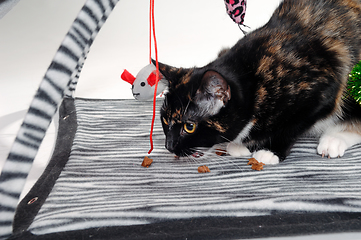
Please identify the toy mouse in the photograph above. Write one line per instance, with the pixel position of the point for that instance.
(144, 83)
(236, 10)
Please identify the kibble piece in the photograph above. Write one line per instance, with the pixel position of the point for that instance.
(203, 169)
(252, 161)
(221, 152)
(258, 166)
(147, 162)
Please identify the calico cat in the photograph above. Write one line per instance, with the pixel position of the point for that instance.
(277, 83)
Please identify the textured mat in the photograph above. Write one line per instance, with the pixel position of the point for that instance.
(104, 186)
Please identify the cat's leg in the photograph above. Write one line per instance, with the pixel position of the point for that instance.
(334, 142)
(275, 150)
(237, 150)
(264, 156)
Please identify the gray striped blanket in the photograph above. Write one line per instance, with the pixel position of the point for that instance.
(103, 183)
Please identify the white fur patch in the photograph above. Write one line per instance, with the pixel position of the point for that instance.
(266, 157)
(322, 125)
(236, 150)
(208, 107)
(335, 142)
(244, 133)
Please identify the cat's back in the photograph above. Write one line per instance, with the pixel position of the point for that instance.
(328, 17)
(298, 27)
(311, 10)
(314, 31)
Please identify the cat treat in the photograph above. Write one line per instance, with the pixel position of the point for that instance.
(147, 162)
(258, 166)
(221, 152)
(203, 169)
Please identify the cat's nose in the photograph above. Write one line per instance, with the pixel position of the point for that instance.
(170, 145)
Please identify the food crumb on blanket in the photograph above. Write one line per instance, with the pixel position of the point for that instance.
(258, 166)
(221, 152)
(147, 162)
(203, 169)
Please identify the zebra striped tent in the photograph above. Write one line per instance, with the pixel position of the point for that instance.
(94, 186)
(59, 81)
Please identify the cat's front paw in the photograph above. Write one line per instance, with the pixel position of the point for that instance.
(266, 157)
(331, 146)
(236, 150)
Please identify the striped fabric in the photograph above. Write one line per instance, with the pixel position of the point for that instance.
(60, 80)
(103, 183)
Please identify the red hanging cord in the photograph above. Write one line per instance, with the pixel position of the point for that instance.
(152, 26)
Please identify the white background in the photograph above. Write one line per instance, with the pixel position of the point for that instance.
(189, 33)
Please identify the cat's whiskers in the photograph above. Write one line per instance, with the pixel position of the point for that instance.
(185, 110)
(212, 157)
(206, 158)
(227, 140)
(236, 164)
(190, 158)
(180, 100)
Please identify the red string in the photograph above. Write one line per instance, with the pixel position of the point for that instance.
(152, 26)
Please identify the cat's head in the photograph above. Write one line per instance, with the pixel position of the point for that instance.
(194, 110)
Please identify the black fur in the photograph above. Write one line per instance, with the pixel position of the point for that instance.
(283, 78)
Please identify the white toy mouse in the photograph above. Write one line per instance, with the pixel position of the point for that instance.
(144, 83)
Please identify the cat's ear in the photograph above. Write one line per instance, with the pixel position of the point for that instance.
(172, 74)
(213, 93)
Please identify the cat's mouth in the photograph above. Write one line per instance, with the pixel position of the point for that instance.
(197, 154)
(182, 152)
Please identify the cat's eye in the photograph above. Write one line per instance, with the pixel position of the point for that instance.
(165, 121)
(189, 127)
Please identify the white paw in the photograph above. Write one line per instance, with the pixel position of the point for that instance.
(266, 157)
(332, 146)
(236, 150)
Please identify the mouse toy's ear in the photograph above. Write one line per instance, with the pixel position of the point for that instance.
(213, 93)
(172, 74)
(128, 77)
